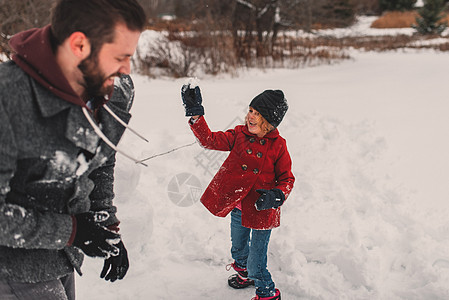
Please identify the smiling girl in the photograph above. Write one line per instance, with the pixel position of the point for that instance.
(252, 183)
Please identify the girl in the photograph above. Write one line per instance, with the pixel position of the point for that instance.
(252, 183)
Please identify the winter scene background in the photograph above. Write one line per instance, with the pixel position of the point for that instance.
(368, 217)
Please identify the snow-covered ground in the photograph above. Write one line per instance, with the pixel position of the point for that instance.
(368, 217)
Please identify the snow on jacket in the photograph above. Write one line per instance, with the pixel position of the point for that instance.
(253, 163)
(52, 166)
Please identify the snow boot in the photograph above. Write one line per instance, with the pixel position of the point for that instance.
(277, 296)
(239, 280)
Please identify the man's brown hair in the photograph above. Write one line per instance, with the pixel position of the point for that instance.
(96, 19)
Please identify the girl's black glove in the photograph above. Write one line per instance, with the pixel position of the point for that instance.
(191, 98)
(115, 267)
(92, 238)
(269, 199)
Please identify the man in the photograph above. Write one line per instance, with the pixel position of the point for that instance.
(56, 173)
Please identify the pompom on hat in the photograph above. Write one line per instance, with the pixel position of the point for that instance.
(272, 105)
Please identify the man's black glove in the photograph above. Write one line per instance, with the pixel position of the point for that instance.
(191, 98)
(115, 267)
(269, 199)
(92, 238)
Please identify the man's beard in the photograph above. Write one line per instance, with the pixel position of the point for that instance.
(94, 79)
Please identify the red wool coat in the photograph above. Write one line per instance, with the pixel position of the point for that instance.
(253, 163)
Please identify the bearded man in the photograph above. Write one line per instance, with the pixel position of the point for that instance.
(65, 83)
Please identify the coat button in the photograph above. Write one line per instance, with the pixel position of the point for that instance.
(244, 167)
(249, 151)
(259, 154)
(262, 142)
(256, 171)
(252, 140)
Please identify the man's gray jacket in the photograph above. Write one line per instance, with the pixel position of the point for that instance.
(52, 166)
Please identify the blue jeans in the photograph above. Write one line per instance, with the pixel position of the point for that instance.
(251, 252)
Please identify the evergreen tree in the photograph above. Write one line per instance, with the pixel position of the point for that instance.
(430, 15)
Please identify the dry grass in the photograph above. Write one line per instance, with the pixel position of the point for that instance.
(372, 43)
(398, 19)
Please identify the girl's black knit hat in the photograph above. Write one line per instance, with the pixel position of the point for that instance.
(272, 105)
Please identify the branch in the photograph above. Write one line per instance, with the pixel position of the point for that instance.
(262, 11)
(247, 4)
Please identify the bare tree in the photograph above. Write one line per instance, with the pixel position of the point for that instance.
(255, 26)
(367, 7)
(19, 15)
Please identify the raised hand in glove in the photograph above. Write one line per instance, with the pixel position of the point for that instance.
(191, 98)
(269, 199)
(92, 238)
(115, 267)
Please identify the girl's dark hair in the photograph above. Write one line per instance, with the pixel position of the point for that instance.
(95, 18)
